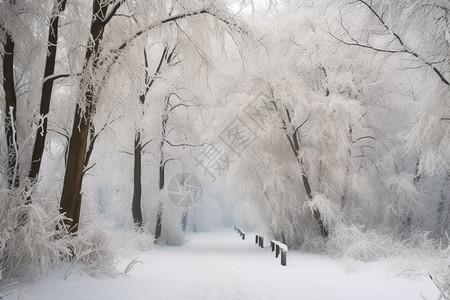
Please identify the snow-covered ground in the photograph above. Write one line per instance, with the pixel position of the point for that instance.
(219, 265)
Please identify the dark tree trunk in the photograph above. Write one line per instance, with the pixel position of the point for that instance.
(71, 194)
(137, 192)
(159, 214)
(47, 88)
(162, 165)
(90, 149)
(10, 110)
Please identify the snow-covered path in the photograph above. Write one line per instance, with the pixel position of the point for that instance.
(219, 265)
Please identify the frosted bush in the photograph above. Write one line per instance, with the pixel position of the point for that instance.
(93, 252)
(131, 242)
(30, 242)
(418, 253)
(350, 242)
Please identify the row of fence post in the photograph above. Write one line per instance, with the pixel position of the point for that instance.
(241, 233)
(276, 246)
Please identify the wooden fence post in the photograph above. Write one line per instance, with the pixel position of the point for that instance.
(283, 257)
(272, 245)
(277, 250)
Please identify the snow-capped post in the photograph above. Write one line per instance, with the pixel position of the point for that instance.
(258, 240)
(279, 248)
(261, 241)
(283, 257)
(241, 233)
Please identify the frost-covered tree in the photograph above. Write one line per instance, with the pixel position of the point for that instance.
(349, 111)
(417, 34)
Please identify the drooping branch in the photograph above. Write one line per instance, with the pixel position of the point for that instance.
(303, 123)
(158, 23)
(171, 18)
(405, 47)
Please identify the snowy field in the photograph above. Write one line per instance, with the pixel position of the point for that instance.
(219, 265)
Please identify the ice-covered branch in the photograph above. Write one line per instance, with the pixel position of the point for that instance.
(397, 37)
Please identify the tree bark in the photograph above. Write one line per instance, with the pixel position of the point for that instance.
(10, 110)
(71, 194)
(159, 214)
(137, 192)
(47, 87)
(137, 174)
(162, 165)
(316, 213)
(443, 210)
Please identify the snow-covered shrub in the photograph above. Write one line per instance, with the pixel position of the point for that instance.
(93, 251)
(30, 242)
(130, 242)
(354, 242)
(417, 253)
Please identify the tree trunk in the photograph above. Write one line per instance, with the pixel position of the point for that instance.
(90, 148)
(162, 164)
(443, 211)
(71, 194)
(295, 146)
(159, 214)
(347, 171)
(137, 192)
(47, 88)
(316, 213)
(10, 110)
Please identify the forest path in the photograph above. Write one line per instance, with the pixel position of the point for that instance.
(219, 265)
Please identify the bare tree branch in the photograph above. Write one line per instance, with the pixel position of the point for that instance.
(303, 123)
(183, 144)
(113, 11)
